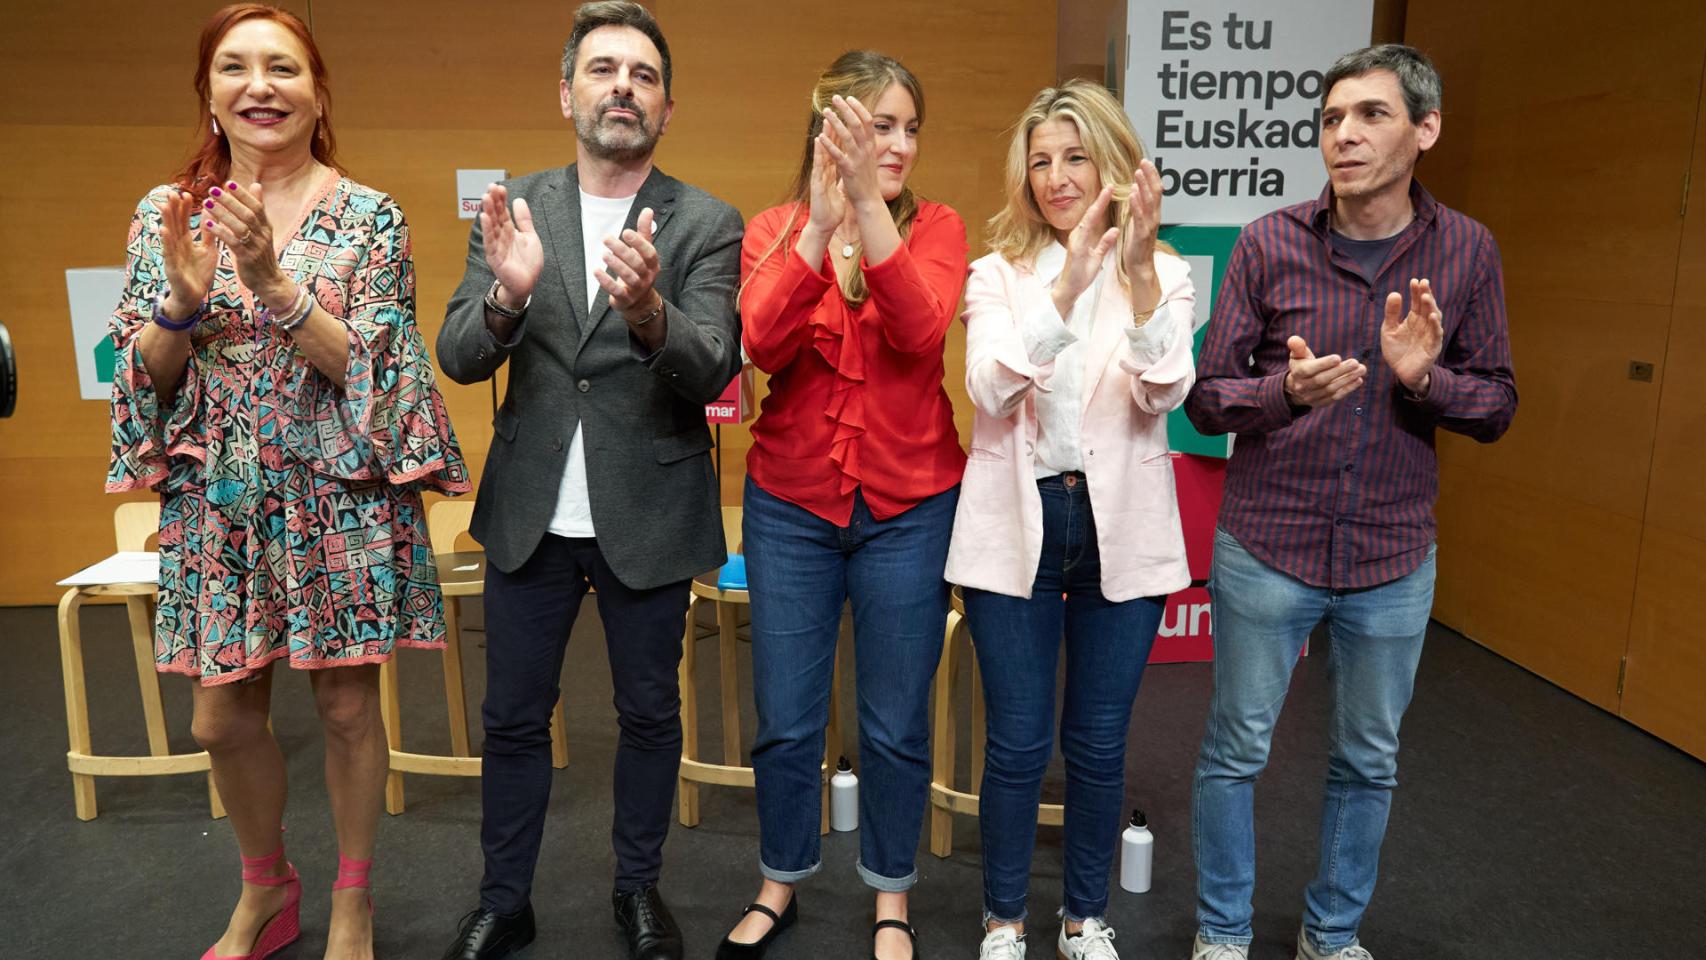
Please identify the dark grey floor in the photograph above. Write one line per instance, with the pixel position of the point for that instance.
(1527, 825)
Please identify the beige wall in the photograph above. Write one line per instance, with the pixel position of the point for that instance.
(420, 88)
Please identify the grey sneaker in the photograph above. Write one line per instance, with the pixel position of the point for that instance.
(1002, 943)
(1094, 942)
(1307, 951)
(1218, 951)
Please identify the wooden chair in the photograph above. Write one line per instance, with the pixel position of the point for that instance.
(945, 800)
(731, 772)
(447, 521)
(134, 524)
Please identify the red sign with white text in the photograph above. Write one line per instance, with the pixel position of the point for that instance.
(1187, 625)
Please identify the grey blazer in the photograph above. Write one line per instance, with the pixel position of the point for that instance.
(654, 494)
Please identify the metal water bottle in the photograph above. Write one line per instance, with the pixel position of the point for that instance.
(1137, 854)
(844, 798)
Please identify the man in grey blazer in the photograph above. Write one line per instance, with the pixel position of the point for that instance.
(609, 289)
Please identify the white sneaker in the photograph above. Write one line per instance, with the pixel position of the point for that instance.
(1002, 943)
(1218, 951)
(1094, 942)
(1307, 951)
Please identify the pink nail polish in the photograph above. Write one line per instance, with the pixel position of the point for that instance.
(214, 191)
(231, 186)
(209, 204)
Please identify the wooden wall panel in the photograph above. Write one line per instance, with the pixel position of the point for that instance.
(1544, 580)
(1666, 672)
(420, 89)
(1579, 174)
(104, 62)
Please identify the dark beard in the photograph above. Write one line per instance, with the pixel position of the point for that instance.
(630, 142)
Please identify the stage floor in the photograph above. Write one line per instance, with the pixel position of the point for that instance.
(1527, 824)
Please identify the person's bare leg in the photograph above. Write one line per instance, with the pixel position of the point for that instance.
(892, 944)
(755, 925)
(357, 761)
(230, 723)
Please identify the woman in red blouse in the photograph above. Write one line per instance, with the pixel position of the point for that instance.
(847, 293)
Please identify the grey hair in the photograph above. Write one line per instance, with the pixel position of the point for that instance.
(615, 13)
(1415, 72)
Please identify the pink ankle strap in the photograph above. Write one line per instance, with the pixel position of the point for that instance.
(352, 873)
(258, 870)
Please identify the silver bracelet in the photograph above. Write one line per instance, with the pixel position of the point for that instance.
(651, 315)
(297, 314)
(493, 305)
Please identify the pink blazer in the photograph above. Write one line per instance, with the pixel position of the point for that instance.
(1128, 389)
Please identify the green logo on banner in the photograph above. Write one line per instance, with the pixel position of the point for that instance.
(106, 358)
(1210, 248)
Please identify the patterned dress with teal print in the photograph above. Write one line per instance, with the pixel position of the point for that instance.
(291, 522)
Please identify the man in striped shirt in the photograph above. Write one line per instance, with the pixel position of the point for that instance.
(1347, 330)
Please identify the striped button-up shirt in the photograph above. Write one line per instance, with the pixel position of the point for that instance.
(1342, 496)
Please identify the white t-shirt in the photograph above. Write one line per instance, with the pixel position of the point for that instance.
(600, 217)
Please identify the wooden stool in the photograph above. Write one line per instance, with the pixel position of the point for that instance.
(945, 801)
(731, 772)
(135, 524)
(459, 575)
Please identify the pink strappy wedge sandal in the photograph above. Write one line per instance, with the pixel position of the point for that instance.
(286, 925)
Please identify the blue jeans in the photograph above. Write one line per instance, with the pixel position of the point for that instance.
(1261, 619)
(800, 569)
(1018, 643)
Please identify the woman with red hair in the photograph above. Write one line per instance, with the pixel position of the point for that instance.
(271, 385)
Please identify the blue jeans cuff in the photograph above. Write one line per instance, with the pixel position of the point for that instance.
(877, 881)
(1000, 916)
(1207, 937)
(788, 876)
(1066, 913)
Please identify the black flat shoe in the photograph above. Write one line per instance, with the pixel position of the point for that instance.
(898, 925)
(485, 935)
(730, 950)
(646, 922)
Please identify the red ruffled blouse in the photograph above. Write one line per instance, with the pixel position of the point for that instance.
(856, 399)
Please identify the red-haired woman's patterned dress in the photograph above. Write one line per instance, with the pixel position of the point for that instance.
(291, 522)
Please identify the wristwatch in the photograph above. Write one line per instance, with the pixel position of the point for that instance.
(493, 305)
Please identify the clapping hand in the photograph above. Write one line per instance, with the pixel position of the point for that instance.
(237, 218)
(513, 251)
(828, 200)
(631, 268)
(189, 256)
(852, 144)
(1142, 227)
(1411, 342)
(1086, 247)
(1318, 381)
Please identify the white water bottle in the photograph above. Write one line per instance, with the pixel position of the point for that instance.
(844, 798)
(1137, 854)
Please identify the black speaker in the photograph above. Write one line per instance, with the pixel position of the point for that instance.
(8, 374)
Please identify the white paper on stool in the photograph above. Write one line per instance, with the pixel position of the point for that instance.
(129, 566)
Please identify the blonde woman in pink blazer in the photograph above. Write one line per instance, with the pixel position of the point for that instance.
(1078, 331)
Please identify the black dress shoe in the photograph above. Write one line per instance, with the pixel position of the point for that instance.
(645, 921)
(485, 935)
(900, 925)
(730, 950)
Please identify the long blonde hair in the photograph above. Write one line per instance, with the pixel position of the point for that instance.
(1020, 231)
(864, 74)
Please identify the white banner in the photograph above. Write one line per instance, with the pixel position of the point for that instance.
(1226, 95)
(93, 294)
